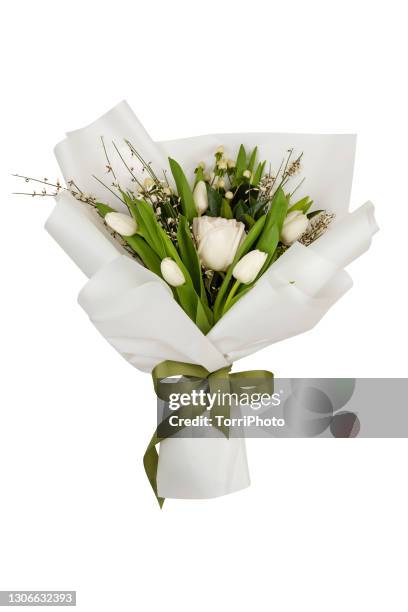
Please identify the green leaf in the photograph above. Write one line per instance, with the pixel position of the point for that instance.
(249, 221)
(250, 239)
(202, 320)
(148, 226)
(145, 252)
(186, 294)
(240, 164)
(303, 205)
(226, 211)
(183, 190)
(252, 159)
(258, 173)
(103, 209)
(240, 209)
(189, 254)
(214, 202)
(276, 216)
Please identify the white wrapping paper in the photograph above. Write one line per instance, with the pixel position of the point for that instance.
(131, 306)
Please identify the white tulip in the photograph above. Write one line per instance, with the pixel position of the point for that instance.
(218, 240)
(200, 197)
(171, 272)
(248, 268)
(125, 225)
(294, 226)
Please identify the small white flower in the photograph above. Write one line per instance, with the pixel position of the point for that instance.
(247, 174)
(171, 272)
(219, 150)
(219, 182)
(201, 165)
(231, 163)
(167, 191)
(229, 195)
(222, 164)
(248, 268)
(200, 197)
(294, 226)
(207, 177)
(148, 183)
(121, 223)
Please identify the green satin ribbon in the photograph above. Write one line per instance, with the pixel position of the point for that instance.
(192, 377)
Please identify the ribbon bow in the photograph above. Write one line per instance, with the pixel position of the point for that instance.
(191, 377)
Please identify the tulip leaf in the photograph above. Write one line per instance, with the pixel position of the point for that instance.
(226, 211)
(249, 221)
(186, 294)
(250, 239)
(104, 209)
(214, 202)
(258, 173)
(201, 319)
(240, 164)
(237, 297)
(145, 252)
(252, 159)
(189, 256)
(276, 216)
(183, 190)
(303, 205)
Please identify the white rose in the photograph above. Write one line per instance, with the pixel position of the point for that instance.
(171, 272)
(218, 240)
(123, 224)
(200, 197)
(248, 268)
(294, 226)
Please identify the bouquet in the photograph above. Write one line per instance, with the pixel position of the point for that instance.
(202, 251)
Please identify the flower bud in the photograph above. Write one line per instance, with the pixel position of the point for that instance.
(219, 182)
(247, 174)
(171, 272)
(200, 197)
(248, 268)
(294, 226)
(201, 165)
(123, 224)
(218, 240)
(229, 195)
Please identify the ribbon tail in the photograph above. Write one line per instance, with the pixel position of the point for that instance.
(151, 463)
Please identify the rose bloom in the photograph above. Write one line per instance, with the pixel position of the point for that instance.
(218, 240)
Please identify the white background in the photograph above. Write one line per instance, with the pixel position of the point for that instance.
(323, 526)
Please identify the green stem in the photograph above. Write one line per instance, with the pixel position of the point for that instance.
(231, 295)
